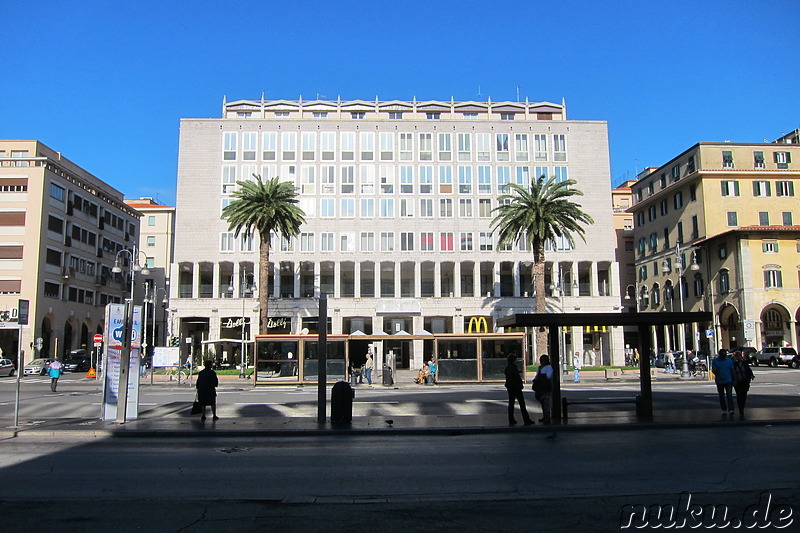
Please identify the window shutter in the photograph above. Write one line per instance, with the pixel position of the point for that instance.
(788, 157)
(755, 188)
(766, 278)
(791, 188)
(775, 157)
(736, 188)
(769, 188)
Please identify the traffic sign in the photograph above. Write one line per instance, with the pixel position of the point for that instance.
(98, 340)
(39, 343)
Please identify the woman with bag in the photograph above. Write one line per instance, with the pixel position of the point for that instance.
(543, 387)
(742, 376)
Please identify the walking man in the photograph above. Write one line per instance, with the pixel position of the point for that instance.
(55, 371)
(514, 387)
(577, 365)
(722, 366)
(368, 366)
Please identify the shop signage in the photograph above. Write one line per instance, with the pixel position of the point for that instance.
(234, 322)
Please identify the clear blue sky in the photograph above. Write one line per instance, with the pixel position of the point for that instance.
(106, 83)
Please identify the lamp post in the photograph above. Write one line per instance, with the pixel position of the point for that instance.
(561, 287)
(243, 289)
(125, 358)
(680, 269)
(154, 340)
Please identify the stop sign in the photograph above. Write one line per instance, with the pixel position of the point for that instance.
(98, 340)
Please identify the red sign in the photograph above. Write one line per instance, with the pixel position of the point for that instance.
(98, 339)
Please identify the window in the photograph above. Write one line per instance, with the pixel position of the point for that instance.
(226, 242)
(407, 242)
(426, 179)
(787, 218)
(287, 244)
(521, 146)
(445, 179)
(309, 139)
(281, 114)
(769, 247)
(229, 146)
(348, 141)
(249, 145)
(308, 180)
(559, 148)
(722, 251)
(677, 200)
(387, 145)
(433, 116)
(387, 207)
(680, 233)
(651, 213)
(540, 147)
(367, 208)
(57, 192)
(692, 193)
(772, 278)
(446, 208)
(406, 146)
(348, 208)
(733, 219)
(327, 208)
(406, 207)
(470, 116)
(666, 238)
(53, 257)
(425, 147)
(288, 145)
(501, 145)
(484, 180)
(387, 179)
(327, 144)
(464, 147)
(464, 180)
(446, 241)
(387, 241)
(406, 179)
(524, 175)
(763, 218)
(445, 147)
(784, 188)
(653, 242)
(761, 188)
(465, 208)
(319, 114)
(348, 179)
(758, 159)
(484, 207)
(306, 242)
(506, 116)
(730, 188)
(357, 115)
(395, 115)
(690, 167)
(326, 242)
(151, 241)
(664, 207)
(366, 141)
(151, 220)
(663, 181)
(347, 242)
(367, 179)
(484, 146)
(485, 241)
(426, 208)
(503, 179)
(695, 227)
(782, 159)
(328, 179)
(466, 241)
(676, 173)
(727, 159)
(426, 241)
(55, 224)
(367, 241)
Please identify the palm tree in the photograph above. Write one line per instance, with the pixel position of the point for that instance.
(540, 214)
(266, 206)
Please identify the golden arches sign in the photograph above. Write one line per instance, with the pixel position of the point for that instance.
(477, 322)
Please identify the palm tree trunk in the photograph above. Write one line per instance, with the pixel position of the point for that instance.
(540, 334)
(263, 285)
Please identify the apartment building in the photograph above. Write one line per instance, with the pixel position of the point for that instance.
(398, 198)
(156, 241)
(721, 219)
(61, 229)
(621, 201)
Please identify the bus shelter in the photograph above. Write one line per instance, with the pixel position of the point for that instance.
(643, 321)
(459, 358)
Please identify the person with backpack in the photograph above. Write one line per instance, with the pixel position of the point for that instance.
(543, 387)
(742, 376)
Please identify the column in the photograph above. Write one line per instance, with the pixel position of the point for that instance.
(496, 279)
(195, 280)
(236, 281)
(215, 292)
(417, 279)
(437, 279)
(316, 279)
(357, 279)
(276, 284)
(457, 279)
(397, 282)
(296, 274)
(593, 284)
(376, 273)
(614, 279)
(337, 272)
(175, 280)
(517, 277)
(695, 339)
(793, 332)
(476, 279)
(576, 279)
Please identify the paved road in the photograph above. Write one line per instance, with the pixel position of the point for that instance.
(501, 482)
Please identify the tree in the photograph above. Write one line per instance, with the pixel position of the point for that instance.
(540, 214)
(267, 207)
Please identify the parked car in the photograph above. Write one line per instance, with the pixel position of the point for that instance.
(37, 367)
(7, 367)
(775, 355)
(748, 352)
(77, 361)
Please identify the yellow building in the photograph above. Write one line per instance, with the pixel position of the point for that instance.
(721, 217)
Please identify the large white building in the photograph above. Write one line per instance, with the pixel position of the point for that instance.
(398, 199)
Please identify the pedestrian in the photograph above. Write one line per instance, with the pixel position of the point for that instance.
(635, 357)
(742, 376)
(722, 366)
(543, 387)
(669, 362)
(368, 366)
(577, 365)
(514, 386)
(432, 371)
(207, 383)
(55, 370)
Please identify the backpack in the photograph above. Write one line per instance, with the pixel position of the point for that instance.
(541, 385)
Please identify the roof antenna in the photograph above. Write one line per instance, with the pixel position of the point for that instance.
(479, 92)
(518, 88)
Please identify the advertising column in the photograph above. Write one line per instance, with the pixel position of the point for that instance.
(115, 326)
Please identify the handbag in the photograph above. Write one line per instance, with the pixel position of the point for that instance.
(196, 407)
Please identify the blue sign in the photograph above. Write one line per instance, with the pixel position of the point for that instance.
(116, 334)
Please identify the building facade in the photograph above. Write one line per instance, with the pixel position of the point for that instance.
(156, 241)
(61, 230)
(621, 201)
(721, 219)
(398, 199)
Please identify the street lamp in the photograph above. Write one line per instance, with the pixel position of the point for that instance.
(680, 269)
(153, 300)
(243, 289)
(125, 359)
(561, 287)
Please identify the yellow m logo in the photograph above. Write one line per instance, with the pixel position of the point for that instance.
(476, 322)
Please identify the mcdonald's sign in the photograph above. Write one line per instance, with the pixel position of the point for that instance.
(476, 322)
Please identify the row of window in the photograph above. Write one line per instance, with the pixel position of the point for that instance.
(396, 115)
(387, 241)
(391, 146)
(389, 179)
(78, 295)
(761, 188)
(80, 204)
(781, 159)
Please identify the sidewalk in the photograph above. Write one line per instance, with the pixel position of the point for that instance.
(181, 424)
